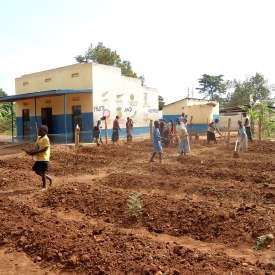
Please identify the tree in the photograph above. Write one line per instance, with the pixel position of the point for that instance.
(2, 93)
(161, 102)
(103, 55)
(6, 112)
(142, 78)
(4, 107)
(252, 90)
(241, 94)
(212, 86)
(126, 69)
(260, 89)
(255, 110)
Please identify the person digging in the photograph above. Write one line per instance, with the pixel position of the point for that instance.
(156, 139)
(212, 127)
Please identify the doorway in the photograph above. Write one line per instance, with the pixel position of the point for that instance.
(26, 123)
(46, 116)
(77, 119)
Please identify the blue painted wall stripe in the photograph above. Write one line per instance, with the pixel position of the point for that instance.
(59, 129)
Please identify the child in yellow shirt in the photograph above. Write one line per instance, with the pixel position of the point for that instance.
(42, 152)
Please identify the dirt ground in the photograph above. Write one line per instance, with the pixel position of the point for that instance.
(202, 213)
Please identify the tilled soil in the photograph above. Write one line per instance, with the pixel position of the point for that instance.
(201, 214)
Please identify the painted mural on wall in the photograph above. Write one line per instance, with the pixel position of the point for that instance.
(140, 106)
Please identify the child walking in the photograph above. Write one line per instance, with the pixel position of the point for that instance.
(157, 143)
(42, 152)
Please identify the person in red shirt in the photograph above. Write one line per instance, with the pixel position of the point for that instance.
(115, 135)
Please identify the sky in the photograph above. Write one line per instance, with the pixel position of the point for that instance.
(173, 42)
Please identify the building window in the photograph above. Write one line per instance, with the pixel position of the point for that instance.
(25, 83)
(25, 103)
(48, 80)
(76, 98)
(75, 75)
(48, 101)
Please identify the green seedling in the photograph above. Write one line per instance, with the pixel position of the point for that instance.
(135, 205)
(217, 193)
(261, 241)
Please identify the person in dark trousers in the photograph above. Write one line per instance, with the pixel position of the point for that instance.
(42, 152)
(212, 127)
(116, 128)
(161, 127)
(247, 127)
(97, 131)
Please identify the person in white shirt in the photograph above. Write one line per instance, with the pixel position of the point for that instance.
(247, 127)
(97, 132)
(181, 131)
(243, 136)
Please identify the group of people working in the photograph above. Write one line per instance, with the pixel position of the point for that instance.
(166, 133)
(42, 146)
(167, 130)
(116, 129)
(244, 132)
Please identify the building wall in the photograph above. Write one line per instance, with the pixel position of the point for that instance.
(112, 95)
(77, 76)
(125, 97)
(58, 117)
(203, 113)
(234, 120)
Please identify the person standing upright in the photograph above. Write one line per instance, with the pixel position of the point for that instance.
(243, 136)
(116, 128)
(182, 118)
(185, 120)
(129, 128)
(171, 130)
(97, 130)
(156, 139)
(161, 127)
(181, 131)
(247, 127)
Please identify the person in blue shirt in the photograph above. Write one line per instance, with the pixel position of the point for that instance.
(156, 139)
(243, 136)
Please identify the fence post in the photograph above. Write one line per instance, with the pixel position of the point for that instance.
(151, 129)
(260, 128)
(76, 137)
(106, 131)
(228, 133)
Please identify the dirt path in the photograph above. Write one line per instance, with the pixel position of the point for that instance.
(202, 213)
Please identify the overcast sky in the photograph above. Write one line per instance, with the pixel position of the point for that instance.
(171, 42)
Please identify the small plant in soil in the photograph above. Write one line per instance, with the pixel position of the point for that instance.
(217, 193)
(261, 240)
(135, 205)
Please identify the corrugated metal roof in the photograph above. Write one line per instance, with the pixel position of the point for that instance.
(238, 109)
